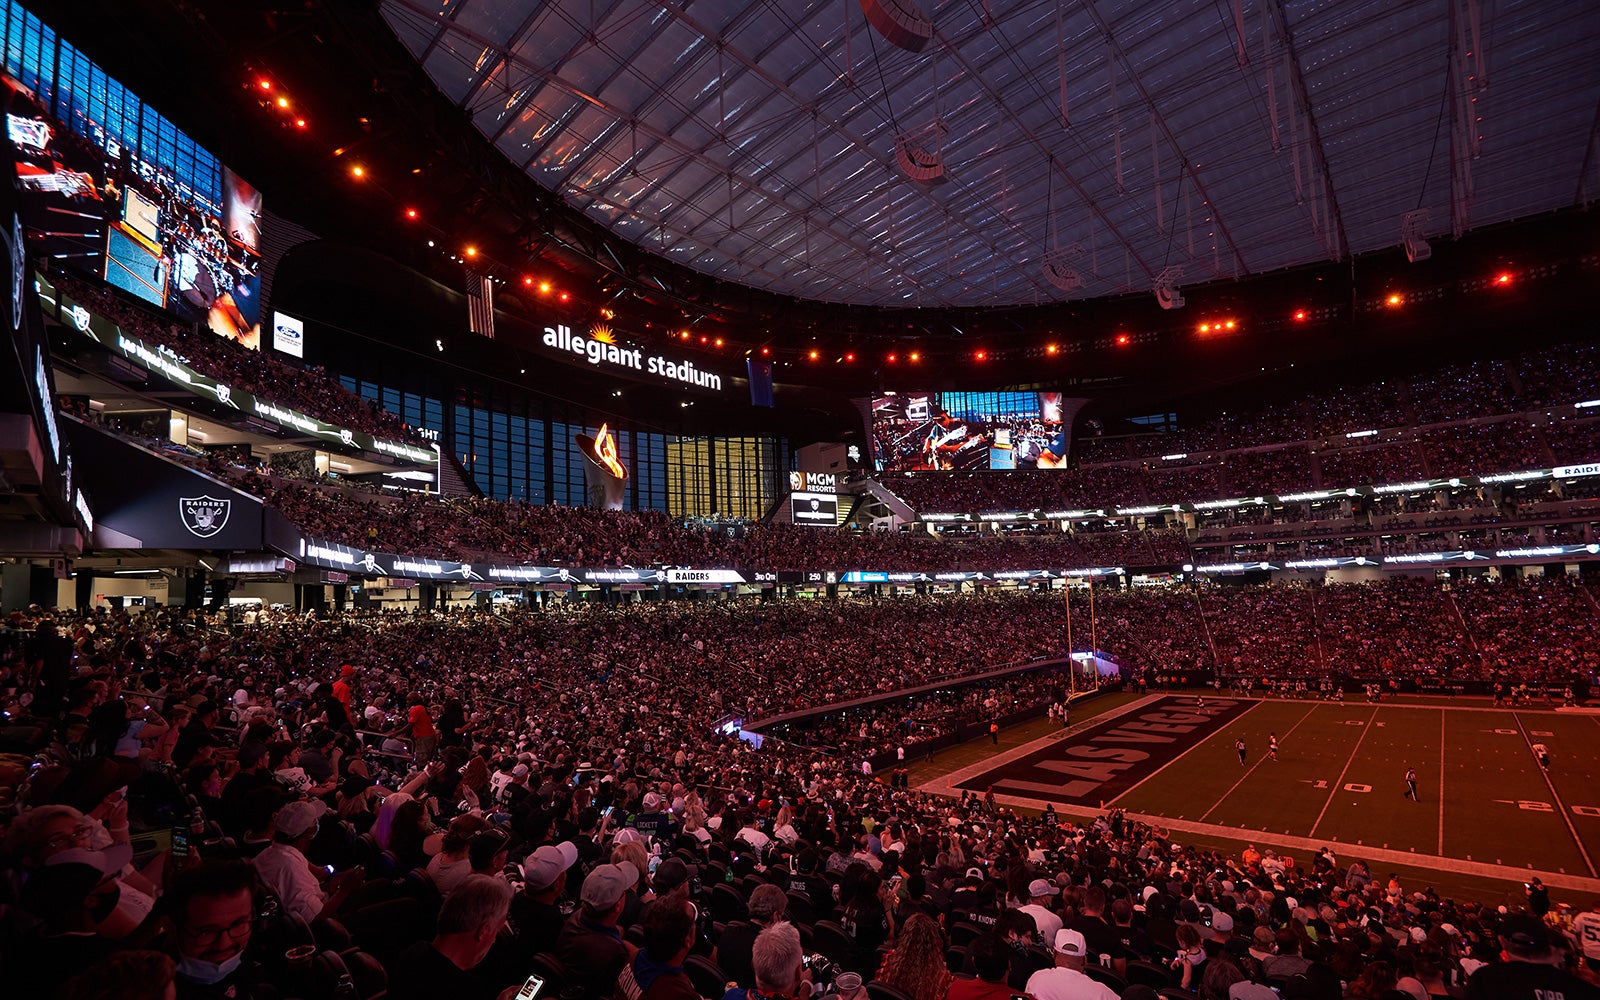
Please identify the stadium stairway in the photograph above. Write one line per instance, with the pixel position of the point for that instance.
(453, 479)
(882, 493)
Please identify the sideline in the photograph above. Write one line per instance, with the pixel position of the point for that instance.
(1454, 866)
(946, 784)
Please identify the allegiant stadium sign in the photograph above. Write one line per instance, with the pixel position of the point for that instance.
(601, 348)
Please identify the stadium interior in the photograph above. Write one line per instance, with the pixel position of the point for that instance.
(875, 500)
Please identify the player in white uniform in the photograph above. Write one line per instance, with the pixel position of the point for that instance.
(1272, 746)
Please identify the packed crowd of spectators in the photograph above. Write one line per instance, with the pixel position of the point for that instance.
(1483, 449)
(1460, 449)
(1533, 381)
(1572, 443)
(443, 804)
(309, 389)
(1279, 470)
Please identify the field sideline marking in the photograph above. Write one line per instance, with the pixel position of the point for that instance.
(1506, 873)
(1252, 770)
(947, 782)
(1220, 729)
(1557, 795)
(1441, 784)
(1339, 784)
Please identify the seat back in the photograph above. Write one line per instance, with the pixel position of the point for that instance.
(1149, 974)
(727, 904)
(708, 979)
(552, 970)
(1103, 975)
(877, 990)
(831, 940)
(799, 908)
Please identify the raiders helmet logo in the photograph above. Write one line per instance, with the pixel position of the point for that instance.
(204, 516)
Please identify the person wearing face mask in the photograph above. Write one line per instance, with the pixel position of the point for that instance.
(213, 911)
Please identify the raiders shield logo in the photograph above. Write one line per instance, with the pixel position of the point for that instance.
(204, 516)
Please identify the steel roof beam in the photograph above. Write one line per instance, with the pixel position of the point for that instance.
(1280, 21)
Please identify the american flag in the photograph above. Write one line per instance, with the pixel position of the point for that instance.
(480, 304)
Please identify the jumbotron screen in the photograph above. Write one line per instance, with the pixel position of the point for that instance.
(111, 187)
(968, 430)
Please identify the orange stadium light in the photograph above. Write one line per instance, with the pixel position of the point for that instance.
(358, 171)
(1503, 278)
(1122, 340)
(283, 102)
(1052, 349)
(411, 213)
(914, 357)
(1299, 315)
(1393, 300)
(813, 355)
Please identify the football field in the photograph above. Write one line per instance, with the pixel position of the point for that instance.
(1485, 809)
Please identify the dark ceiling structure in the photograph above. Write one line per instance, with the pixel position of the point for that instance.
(1000, 204)
(1024, 153)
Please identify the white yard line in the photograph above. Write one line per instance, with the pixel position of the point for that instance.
(1441, 783)
(1508, 873)
(1560, 806)
(1253, 767)
(1339, 784)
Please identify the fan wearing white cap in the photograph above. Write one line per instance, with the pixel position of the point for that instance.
(1067, 980)
(284, 869)
(1041, 892)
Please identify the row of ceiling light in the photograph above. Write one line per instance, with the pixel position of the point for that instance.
(272, 96)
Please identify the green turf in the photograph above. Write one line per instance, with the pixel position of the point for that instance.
(1340, 779)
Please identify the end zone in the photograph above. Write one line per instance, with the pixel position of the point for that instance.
(1105, 758)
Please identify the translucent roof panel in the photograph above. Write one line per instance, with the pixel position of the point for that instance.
(762, 141)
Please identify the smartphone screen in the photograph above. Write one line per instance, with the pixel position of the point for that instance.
(530, 988)
(180, 842)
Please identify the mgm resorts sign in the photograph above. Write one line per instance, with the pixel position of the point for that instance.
(601, 348)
